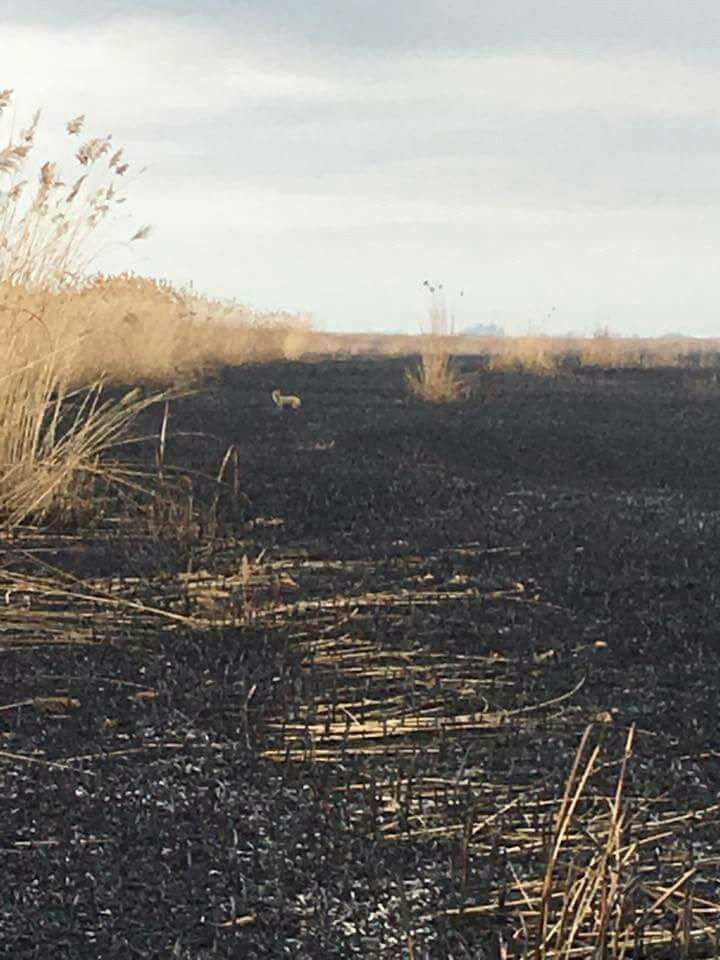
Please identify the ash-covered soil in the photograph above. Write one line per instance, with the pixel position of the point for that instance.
(327, 708)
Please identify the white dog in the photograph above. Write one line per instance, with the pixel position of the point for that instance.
(286, 401)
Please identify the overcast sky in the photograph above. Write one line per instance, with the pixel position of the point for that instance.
(330, 155)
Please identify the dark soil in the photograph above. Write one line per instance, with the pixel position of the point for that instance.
(351, 742)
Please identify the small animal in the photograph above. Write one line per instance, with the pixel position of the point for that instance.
(286, 401)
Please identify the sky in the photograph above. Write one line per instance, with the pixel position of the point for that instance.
(557, 162)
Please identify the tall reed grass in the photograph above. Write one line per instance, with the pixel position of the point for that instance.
(67, 331)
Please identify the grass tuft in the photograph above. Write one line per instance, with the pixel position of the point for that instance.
(435, 380)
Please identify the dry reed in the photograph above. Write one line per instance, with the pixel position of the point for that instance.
(435, 380)
(66, 332)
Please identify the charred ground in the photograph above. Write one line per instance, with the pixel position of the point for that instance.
(333, 715)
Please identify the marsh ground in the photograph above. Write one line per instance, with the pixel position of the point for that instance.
(335, 721)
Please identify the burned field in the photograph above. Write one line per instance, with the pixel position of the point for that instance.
(410, 681)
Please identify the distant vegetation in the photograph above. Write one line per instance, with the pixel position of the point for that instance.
(537, 353)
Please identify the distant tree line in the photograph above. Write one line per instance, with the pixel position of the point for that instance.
(484, 330)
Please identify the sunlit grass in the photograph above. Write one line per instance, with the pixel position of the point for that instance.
(435, 380)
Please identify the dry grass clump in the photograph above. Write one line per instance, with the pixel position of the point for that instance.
(52, 442)
(53, 436)
(435, 380)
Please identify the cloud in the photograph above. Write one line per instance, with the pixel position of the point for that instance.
(528, 127)
(150, 70)
(590, 26)
(316, 163)
(144, 71)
